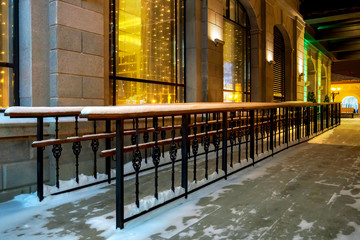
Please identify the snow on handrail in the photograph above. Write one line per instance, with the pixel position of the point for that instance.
(153, 110)
(32, 112)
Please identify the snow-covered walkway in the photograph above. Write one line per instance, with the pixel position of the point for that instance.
(311, 191)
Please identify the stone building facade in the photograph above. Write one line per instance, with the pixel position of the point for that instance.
(65, 60)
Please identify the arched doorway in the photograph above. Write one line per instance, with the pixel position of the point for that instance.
(279, 66)
(311, 78)
(350, 102)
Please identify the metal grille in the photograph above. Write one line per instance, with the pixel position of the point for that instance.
(279, 67)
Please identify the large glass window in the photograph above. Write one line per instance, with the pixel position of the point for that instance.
(236, 53)
(8, 53)
(148, 60)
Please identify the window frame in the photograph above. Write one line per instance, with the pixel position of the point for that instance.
(113, 77)
(246, 90)
(14, 65)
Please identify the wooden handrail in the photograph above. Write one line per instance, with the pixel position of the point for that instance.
(33, 112)
(157, 110)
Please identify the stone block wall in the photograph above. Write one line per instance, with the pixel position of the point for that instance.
(18, 158)
(76, 52)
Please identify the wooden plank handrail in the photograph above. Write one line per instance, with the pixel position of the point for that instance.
(157, 110)
(33, 112)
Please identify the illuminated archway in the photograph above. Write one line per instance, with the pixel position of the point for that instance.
(350, 102)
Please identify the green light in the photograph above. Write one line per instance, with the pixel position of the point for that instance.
(305, 71)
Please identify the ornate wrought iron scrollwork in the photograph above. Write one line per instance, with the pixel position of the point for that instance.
(232, 137)
(206, 143)
(173, 152)
(156, 155)
(56, 150)
(240, 135)
(76, 147)
(136, 160)
(133, 139)
(95, 145)
(195, 146)
(216, 141)
(146, 137)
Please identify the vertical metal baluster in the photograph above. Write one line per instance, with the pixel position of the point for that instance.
(120, 174)
(275, 128)
(195, 145)
(216, 142)
(40, 159)
(239, 136)
(268, 129)
(232, 137)
(224, 142)
(292, 123)
(206, 144)
(184, 154)
(332, 115)
(315, 120)
(108, 146)
(252, 137)
(56, 150)
(95, 148)
(146, 138)
(156, 154)
(173, 153)
(163, 135)
(133, 136)
(247, 129)
(77, 149)
(286, 126)
(272, 129)
(136, 162)
(262, 130)
(256, 124)
(279, 126)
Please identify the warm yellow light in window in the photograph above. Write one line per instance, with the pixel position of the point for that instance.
(333, 89)
(2, 72)
(2, 81)
(153, 101)
(236, 96)
(3, 3)
(338, 89)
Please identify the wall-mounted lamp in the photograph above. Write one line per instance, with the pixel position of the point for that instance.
(301, 75)
(334, 93)
(218, 41)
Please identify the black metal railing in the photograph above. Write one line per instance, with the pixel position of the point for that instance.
(248, 132)
(200, 143)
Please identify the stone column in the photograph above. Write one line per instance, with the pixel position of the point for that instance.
(76, 31)
(194, 92)
(213, 55)
(34, 49)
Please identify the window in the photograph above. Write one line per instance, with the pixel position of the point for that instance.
(236, 53)
(279, 66)
(147, 53)
(9, 60)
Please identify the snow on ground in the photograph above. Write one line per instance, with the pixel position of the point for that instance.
(20, 212)
(26, 218)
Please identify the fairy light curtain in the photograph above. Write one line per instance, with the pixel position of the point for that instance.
(236, 53)
(149, 52)
(6, 57)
